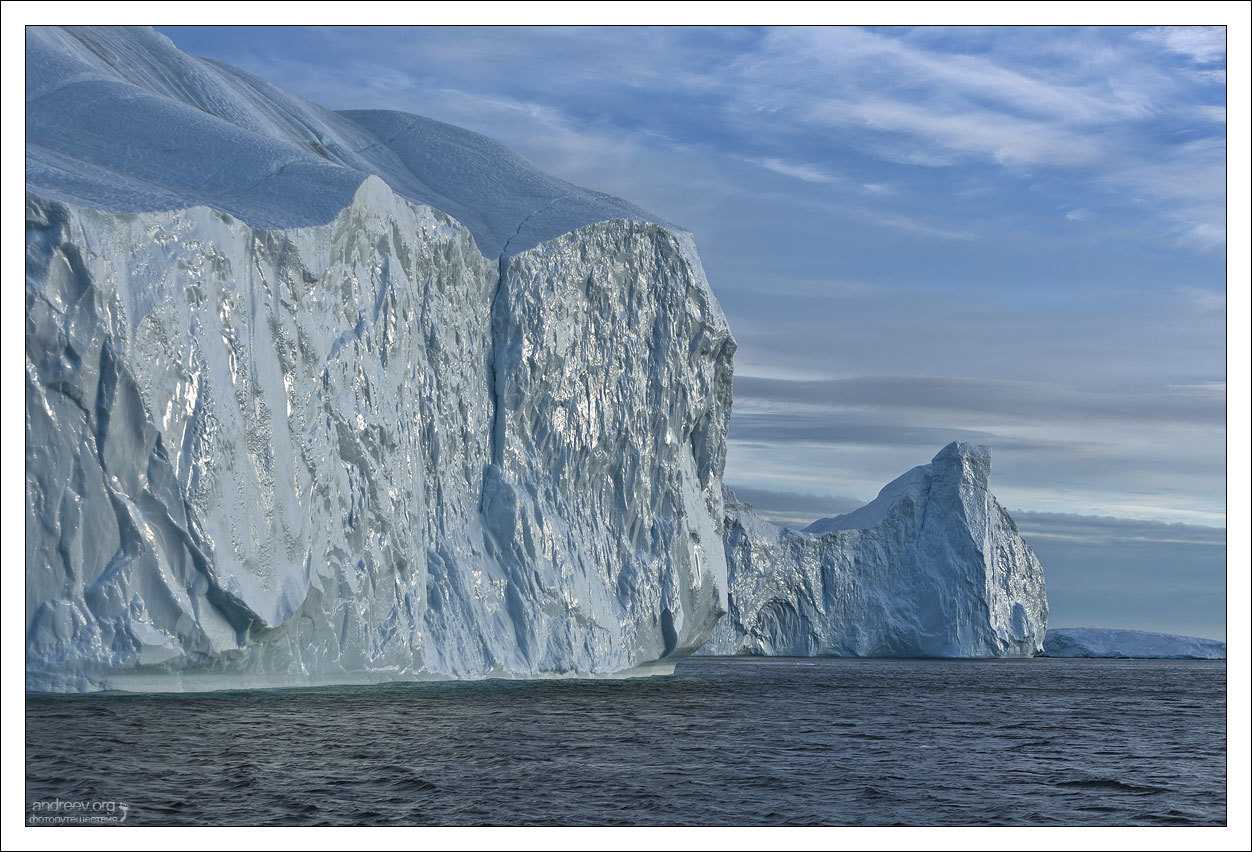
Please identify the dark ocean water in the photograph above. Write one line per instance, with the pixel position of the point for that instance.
(722, 742)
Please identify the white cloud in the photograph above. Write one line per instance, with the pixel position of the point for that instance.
(800, 171)
(1005, 138)
(1204, 45)
(897, 65)
(1216, 114)
(906, 224)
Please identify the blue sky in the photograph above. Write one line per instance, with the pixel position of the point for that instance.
(1011, 235)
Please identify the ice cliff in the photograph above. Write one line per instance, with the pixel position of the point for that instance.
(934, 567)
(1129, 644)
(319, 397)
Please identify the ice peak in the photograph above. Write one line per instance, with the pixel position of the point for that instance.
(970, 463)
(933, 567)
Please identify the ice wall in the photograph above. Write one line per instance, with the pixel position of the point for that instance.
(362, 451)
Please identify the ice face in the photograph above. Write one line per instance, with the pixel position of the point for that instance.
(1129, 644)
(934, 567)
(364, 451)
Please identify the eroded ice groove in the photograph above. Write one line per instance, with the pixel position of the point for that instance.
(934, 567)
(1129, 644)
(265, 458)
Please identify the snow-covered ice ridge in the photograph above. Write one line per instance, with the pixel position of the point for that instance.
(120, 120)
(1129, 644)
(328, 398)
(934, 567)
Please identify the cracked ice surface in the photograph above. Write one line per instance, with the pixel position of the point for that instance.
(933, 567)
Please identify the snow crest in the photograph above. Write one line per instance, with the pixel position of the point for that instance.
(118, 119)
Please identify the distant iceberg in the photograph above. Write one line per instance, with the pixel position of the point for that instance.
(934, 567)
(1129, 644)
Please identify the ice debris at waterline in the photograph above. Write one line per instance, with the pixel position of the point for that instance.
(1129, 644)
(934, 567)
(290, 423)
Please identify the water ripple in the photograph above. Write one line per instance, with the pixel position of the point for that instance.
(723, 742)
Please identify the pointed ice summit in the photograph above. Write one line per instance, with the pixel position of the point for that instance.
(933, 567)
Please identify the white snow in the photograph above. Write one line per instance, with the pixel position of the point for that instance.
(1129, 644)
(120, 120)
(934, 567)
(911, 485)
(286, 423)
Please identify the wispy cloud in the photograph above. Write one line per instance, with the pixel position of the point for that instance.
(1102, 529)
(1004, 138)
(1204, 45)
(1003, 398)
(1098, 106)
(904, 223)
(800, 171)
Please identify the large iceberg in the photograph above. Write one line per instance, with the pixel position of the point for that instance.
(318, 397)
(934, 567)
(1129, 644)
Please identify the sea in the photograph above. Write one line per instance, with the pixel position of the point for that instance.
(732, 741)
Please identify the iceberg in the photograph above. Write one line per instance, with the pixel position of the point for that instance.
(1129, 644)
(318, 397)
(933, 567)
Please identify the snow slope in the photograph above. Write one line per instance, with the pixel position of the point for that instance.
(934, 567)
(120, 120)
(1131, 644)
(291, 423)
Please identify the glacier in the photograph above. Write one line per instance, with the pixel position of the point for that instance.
(1129, 644)
(933, 567)
(318, 397)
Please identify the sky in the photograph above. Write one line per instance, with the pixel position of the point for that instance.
(1014, 236)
